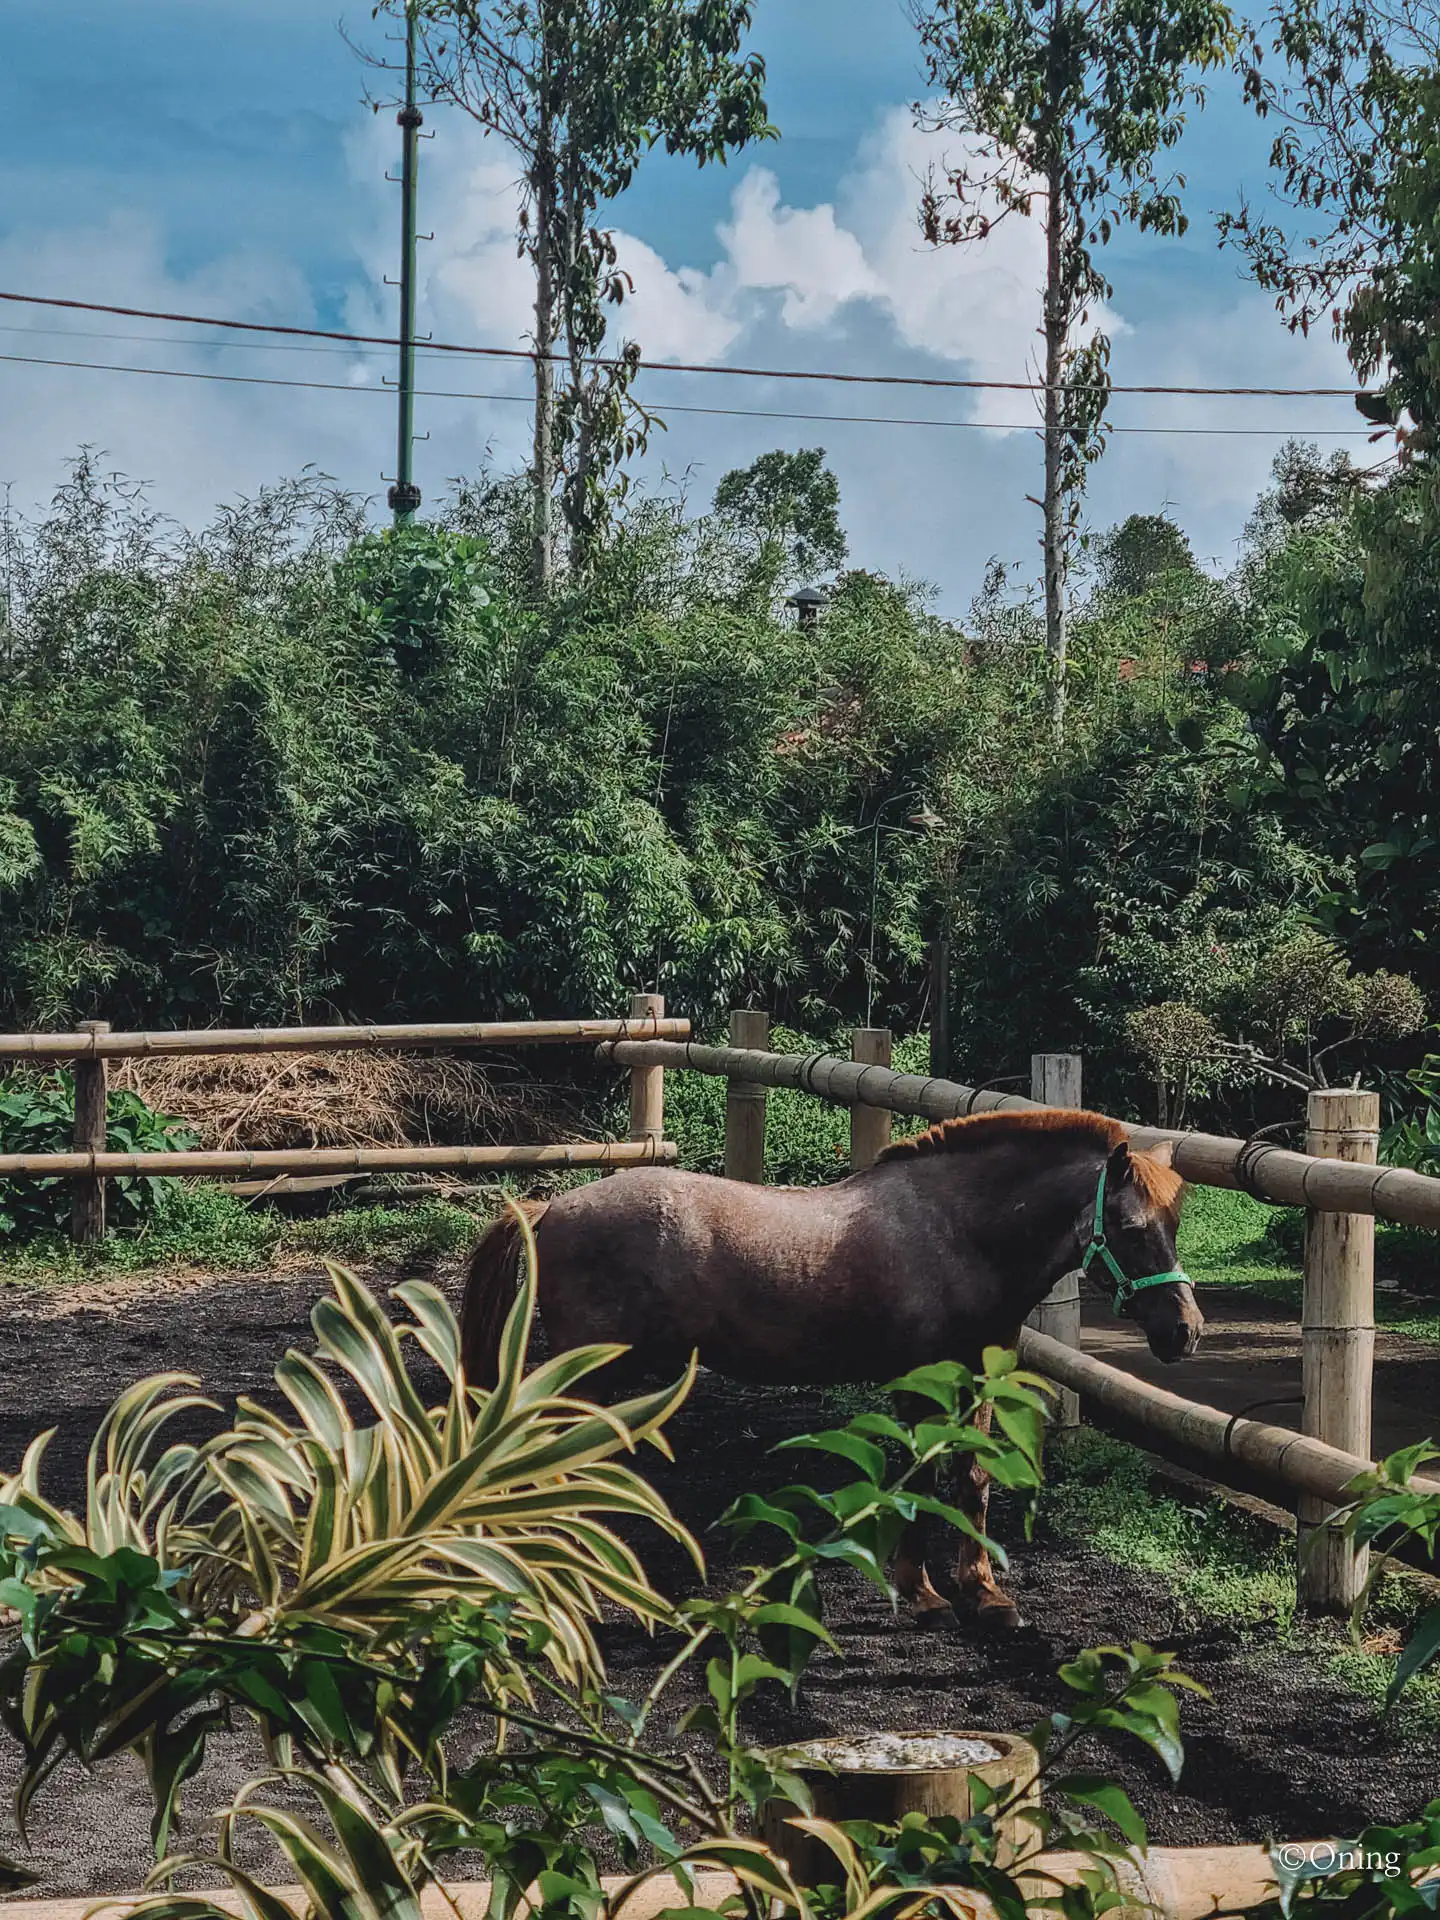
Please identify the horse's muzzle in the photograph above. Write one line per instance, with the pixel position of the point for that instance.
(1176, 1336)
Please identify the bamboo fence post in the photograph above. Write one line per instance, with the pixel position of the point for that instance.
(647, 1084)
(745, 1102)
(1337, 1340)
(92, 1103)
(940, 1008)
(1055, 1082)
(869, 1126)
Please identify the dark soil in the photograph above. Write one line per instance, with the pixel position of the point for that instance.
(1277, 1750)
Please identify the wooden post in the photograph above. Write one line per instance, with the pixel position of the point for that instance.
(1337, 1340)
(92, 1098)
(745, 1103)
(647, 1084)
(865, 1777)
(940, 1008)
(869, 1126)
(1055, 1082)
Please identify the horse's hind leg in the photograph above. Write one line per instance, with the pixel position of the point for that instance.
(981, 1599)
(927, 1607)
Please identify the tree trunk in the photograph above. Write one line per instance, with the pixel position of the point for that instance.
(581, 452)
(542, 550)
(1057, 330)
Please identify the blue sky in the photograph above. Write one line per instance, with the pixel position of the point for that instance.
(222, 159)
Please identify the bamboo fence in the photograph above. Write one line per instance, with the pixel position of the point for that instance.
(94, 1045)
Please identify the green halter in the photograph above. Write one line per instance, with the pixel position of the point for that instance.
(1125, 1287)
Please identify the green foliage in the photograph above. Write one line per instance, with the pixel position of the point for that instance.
(1375, 1874)
(38, 1116)
(789, 505)
(1283, 1014)
(807, 1141)
(242, 807)
(1388, 1509)
(1145, 550)
(1122, 881)
(295, 771)
(1340, 86)
(1345, 710)
(420, 587)
(349, 1584)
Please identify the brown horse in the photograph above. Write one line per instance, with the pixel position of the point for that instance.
(937, 1251)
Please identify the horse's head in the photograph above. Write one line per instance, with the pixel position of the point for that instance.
(1127, 1233)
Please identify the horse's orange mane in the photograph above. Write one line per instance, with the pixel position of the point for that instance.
(1160, 1184)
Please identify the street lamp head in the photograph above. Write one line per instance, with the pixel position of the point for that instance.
(806, 603)
(927, 819)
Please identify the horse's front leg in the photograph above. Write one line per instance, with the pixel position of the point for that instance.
(981, 1598)
(928, 1608)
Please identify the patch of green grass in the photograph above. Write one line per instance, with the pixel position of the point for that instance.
(206, 1227)
(1229, 1240)
(1099, 1490)
(1224, 1564)
(1226, 1240)
(431, 1227)
(198, 1226)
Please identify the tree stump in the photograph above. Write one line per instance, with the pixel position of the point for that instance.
(883, 1776)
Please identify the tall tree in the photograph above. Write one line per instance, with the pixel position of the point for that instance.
(1348, 717)
(1342, 81)
(581, 90)
(789, 504)
(1066, 107)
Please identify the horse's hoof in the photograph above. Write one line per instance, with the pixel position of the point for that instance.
(936, 1619)
(993, 1612)
(999, 1619)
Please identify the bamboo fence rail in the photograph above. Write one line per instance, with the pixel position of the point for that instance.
(1204, 1159)
(104, 1045)
(1286, 1461)
(93, 1046)
(1174, 1883)
(322, 1160)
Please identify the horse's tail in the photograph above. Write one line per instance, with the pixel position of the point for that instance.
(490, 1293)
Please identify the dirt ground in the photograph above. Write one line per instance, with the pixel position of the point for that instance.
(1249, 1362)
(1276, 1752)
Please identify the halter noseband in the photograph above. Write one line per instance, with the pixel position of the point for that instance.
(1099, 1248)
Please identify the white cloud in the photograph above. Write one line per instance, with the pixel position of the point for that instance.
(803, 253)
(848, 283)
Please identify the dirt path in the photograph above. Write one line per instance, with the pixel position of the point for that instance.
(1249, 1361)
(1276, 1751)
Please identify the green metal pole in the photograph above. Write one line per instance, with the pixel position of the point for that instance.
(405, 495)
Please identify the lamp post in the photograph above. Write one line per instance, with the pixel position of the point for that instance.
(404, 495)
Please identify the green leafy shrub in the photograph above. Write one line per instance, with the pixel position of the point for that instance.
(352, 1571)
(39, 1117)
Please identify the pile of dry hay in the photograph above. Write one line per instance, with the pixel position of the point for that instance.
(253, 1101)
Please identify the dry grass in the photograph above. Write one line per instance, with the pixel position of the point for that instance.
(254, 1101)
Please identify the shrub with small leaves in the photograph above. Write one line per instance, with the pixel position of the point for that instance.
(38, 1116)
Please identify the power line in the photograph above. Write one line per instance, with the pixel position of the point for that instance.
(675, 366)
(728, 413)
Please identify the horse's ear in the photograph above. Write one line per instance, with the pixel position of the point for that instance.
(1163, 1151)
(1119, 1168)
